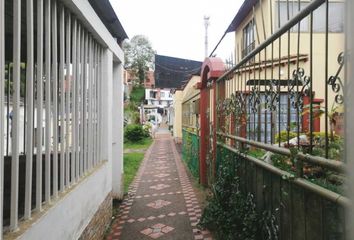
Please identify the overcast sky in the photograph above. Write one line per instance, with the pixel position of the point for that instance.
(176, 27)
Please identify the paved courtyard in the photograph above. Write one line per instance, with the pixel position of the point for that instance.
(161, 203)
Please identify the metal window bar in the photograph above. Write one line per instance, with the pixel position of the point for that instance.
(96, 103)
(93, 107)
(16, 114)
(99, 104)
(55, 97)
(68, 141)
(62, 97)
(48, 134)
(77, 112)
(39, 90)
(73, 97)
(30, 109)
(84, 103)
(90, 103)
(85, 122)
(81, 90)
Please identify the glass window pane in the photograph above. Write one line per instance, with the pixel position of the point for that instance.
(293, 9)
(335, 18)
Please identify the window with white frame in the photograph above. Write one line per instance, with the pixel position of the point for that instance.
(248, 38)
(287, 10)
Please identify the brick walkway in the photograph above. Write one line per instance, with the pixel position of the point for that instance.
(161, 202)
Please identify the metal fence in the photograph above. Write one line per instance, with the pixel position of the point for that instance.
(190, 151)
(50, 98)
(279, 115)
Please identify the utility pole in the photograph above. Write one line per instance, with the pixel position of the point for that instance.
(206, 25)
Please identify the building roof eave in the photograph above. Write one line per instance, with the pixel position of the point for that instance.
(242, 13)
(106, 13)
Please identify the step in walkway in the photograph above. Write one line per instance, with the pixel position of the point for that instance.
(161, 202)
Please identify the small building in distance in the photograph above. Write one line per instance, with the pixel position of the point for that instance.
(170, 74)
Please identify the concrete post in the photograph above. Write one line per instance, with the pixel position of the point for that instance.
(107, 71)
(117, 130)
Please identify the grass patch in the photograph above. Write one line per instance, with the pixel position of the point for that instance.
(137, 94)
(143, 144)
(133, 160)
(131, 165)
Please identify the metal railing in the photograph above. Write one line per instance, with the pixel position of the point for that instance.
(278, 117)
(51, 137)
(275, 87)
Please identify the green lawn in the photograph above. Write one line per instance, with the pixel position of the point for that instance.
(132, 160)
(144, 144)
(131, 165)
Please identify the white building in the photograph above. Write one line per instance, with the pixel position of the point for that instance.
(159, 103)
(79, 165)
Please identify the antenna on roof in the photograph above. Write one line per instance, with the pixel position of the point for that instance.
(206, 25)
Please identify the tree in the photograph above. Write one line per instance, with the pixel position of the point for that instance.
(139, 56)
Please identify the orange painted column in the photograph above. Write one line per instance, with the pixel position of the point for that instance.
(214, 127)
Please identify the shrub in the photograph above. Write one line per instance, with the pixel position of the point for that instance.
(231, 214)
(135, 133)
(137, 94)
(283, 136)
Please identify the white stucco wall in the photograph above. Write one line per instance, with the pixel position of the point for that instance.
(69, 217)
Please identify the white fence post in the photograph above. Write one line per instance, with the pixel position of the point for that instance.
(55, 97)
(39, 105)
(48, 102)
(15, 124)
(68, 142)
(29, 109)
(62, 97)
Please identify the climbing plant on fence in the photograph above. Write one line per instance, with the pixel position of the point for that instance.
(190, 152)
(282, 207)
(232, 213)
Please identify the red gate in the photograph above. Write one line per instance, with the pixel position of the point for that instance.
(212, 69)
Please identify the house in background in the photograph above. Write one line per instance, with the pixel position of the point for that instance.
(186, 107)
(149, 81)
(130, 80)
(71, 48)
(258, 20)
(170, 74)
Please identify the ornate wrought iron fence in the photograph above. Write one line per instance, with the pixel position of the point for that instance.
(279, 111)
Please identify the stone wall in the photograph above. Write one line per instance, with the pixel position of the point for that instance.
(96, 228)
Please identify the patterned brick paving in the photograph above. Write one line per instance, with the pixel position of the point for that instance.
(161, 203)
